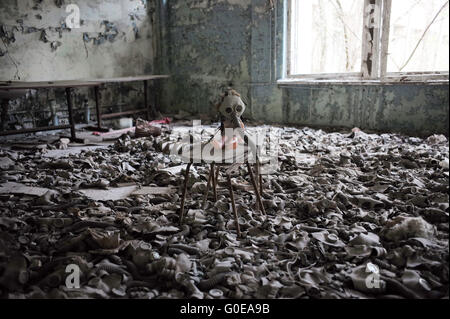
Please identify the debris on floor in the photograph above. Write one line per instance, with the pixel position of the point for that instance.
(145, 129)
(348, 216)
(125, 192)
(17, 188)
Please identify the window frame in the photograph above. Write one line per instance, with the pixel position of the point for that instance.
(374, 54)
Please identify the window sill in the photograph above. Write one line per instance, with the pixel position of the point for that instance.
(393, 80)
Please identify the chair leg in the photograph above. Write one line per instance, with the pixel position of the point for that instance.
(257, 181)
(211, 173)
(261, 191)
(214, 180)
(260, 179)
(217, 175)
(233, 204)
(183, 199)
(255, 186)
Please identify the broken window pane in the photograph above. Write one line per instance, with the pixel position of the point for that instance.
(326, 36)
(419, 36)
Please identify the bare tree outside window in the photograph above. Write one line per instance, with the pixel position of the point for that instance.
(419, 40)
(368, 39)
(326, 36)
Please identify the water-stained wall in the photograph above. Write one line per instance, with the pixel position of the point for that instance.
(208, 48)
(115, 38)
(410, 109)
(210, 44)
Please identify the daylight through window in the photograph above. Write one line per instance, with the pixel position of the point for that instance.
(370, 39)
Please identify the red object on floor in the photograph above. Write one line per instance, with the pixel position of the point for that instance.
(165, 120)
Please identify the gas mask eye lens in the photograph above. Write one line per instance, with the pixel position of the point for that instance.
(239, 108)
(229, 110)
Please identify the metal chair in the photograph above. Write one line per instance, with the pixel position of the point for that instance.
(215, 165)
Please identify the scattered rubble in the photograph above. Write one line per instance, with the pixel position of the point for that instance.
(348, 216)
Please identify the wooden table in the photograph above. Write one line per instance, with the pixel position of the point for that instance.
(143, 78)
(67, 85)
(15, 86)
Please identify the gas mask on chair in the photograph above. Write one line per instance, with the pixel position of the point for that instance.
(231, 109)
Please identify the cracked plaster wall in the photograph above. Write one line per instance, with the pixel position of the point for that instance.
(115, 39)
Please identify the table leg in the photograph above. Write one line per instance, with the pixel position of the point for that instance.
(4, 116)
(183, 199)
(73, 134)
(233, 205)
(147, 107)
(97, 107)
(255, 186)
(156, 99)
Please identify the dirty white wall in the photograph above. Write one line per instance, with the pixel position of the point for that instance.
(115, 39)
(120, 47)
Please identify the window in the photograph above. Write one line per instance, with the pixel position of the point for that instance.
(419, 36)
(373, 40)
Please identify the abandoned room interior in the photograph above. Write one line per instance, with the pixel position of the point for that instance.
(224, 149)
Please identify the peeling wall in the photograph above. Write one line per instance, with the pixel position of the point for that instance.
(115, 39)
(208, 49)
(211, 44)
(121, 54)
(410, 109)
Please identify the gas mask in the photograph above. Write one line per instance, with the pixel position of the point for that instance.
(231, 109)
